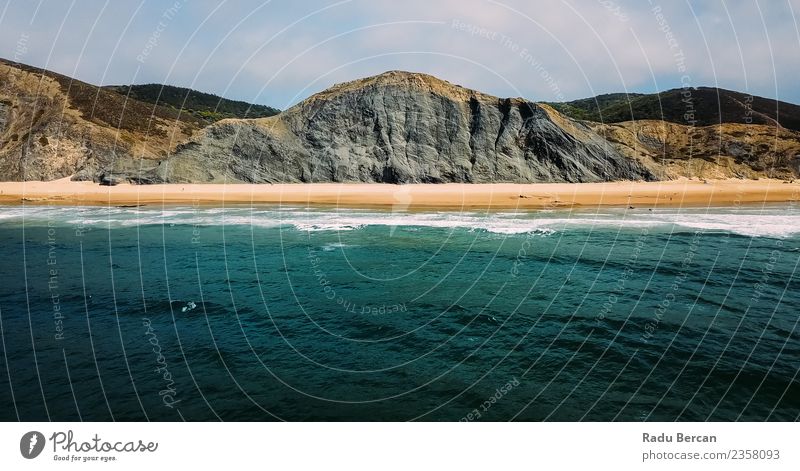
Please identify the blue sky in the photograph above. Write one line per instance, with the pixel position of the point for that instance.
(279, 52)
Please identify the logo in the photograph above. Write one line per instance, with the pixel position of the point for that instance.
(31, 445)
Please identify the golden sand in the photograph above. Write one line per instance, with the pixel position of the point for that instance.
(488, 196)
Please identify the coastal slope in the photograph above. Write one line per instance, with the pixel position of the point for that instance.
(396, 127)
(52, 126)
(701, 106)
(207, 107)
(401, 127)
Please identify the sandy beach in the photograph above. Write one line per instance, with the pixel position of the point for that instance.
(490, 196)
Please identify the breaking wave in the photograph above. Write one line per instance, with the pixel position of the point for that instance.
(769, 221)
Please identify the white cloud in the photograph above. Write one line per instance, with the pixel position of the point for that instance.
(586, 47)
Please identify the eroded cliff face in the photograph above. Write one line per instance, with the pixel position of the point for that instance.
(721, 151)
(397, 127)
(400, 127)
(53, 127)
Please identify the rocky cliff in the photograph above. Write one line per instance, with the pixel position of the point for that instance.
(724, 150)
(401, 127)
(52, 126)
(397, 127)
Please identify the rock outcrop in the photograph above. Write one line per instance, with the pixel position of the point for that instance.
(52, 127)
(397, 127)
(725, 150)
(401, 127)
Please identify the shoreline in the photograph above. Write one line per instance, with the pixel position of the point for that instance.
(674, 193)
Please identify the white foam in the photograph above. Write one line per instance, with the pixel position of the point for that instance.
(326, 227)
(334, 246)
(774, 221)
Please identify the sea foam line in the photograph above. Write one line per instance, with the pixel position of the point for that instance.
(768, 222)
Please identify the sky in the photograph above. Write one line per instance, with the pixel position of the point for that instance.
(279, 52)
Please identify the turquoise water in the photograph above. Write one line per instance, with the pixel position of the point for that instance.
(267, 313)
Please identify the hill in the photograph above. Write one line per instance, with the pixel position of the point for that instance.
(396, 127)
(203, 106)
(401, 127)
(53, 126)
(590, 109)
(703, 106)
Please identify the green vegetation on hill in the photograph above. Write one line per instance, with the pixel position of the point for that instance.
(590, 108)
(702, 106)
(204, 106)
(100, 105)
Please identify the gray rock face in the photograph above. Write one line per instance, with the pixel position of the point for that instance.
(397, 127)
(400, 127)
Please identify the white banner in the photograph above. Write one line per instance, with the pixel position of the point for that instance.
(399, 446)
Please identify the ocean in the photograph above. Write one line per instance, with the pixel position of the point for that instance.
(332, 314)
